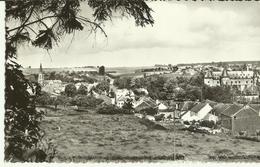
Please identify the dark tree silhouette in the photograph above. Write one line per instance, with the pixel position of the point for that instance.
(32, 20)
(70, 90)
(101, 70)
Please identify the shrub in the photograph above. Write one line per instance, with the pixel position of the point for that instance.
(111, 109)
(86, 101)
(169, 117)
(159, 117)
(149, 111)
(152, 125)
(186, 122)
(206, 123)
(222, 154)
(250, 138)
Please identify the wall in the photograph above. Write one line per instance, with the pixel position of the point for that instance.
(226, 122)
(204, 111)
(246, 120)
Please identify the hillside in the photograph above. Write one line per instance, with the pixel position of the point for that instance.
(82, 137)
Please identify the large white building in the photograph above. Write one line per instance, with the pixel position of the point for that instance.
(239, 79)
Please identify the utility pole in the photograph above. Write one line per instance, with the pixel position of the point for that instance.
(174, 144)
(201, 97)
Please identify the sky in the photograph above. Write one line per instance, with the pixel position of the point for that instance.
(183, 32)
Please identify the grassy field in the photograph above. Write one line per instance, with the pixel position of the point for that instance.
(82, 137)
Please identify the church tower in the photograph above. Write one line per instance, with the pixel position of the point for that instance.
(225, 80)
(208, 78)
(41, 76)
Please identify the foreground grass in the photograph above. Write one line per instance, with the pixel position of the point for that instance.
(84, 137)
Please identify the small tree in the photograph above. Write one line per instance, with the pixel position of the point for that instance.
(128, 105)
(102, 87)
(101, 70)
(43, 99)
(70, 90)
(83, 90)
(149, 111)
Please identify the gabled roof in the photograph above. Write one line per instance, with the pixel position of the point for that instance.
(210, 102)
(231, 110)
(255, 106)
(187, 105)
(198, 107)
(145, 104)
(121, 98)
(106, 99)
(219, 108)
(225, 73)
(246, 108)
(208, 74)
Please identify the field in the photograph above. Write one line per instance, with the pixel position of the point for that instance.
(82, 137)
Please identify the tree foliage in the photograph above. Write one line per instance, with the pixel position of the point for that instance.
(70, 90)
(101, 70)
(44, 99)
(83, 90)
(123, 83)
(86, 101)
(102, 87)
(128, 104)
(42, 23)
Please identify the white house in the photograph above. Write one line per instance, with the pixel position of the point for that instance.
(122, 95)
(200, 111)
(162, 106)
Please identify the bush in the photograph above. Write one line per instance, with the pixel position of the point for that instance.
(111, 109)
(86, 101)
(252, 138)
(159, 117)
(206, 123)
(186, 122)
(149, 111)
(222, 154)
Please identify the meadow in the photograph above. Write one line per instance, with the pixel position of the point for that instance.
(88, 136)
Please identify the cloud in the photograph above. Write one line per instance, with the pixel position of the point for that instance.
(182, 32)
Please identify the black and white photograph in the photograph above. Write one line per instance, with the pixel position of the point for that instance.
(127, 81)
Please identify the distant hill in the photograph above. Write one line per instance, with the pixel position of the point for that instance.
(36, 70)
(226, 62)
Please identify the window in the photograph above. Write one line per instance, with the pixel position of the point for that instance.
(246, 81)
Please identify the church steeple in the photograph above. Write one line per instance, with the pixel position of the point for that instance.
(40, 76)
(41, 68)
(225, 73)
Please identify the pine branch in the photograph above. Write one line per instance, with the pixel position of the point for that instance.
(33, 22)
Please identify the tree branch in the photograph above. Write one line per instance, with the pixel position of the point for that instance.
(33, 22)
(22, 26)
(93, 23)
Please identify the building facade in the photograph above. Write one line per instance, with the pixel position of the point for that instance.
(238, 119)
(239, 79)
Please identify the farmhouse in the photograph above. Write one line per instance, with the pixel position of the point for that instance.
(201, 111)
(144, 102)
(239, 118)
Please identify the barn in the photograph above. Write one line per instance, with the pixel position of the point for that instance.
(238, 118)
